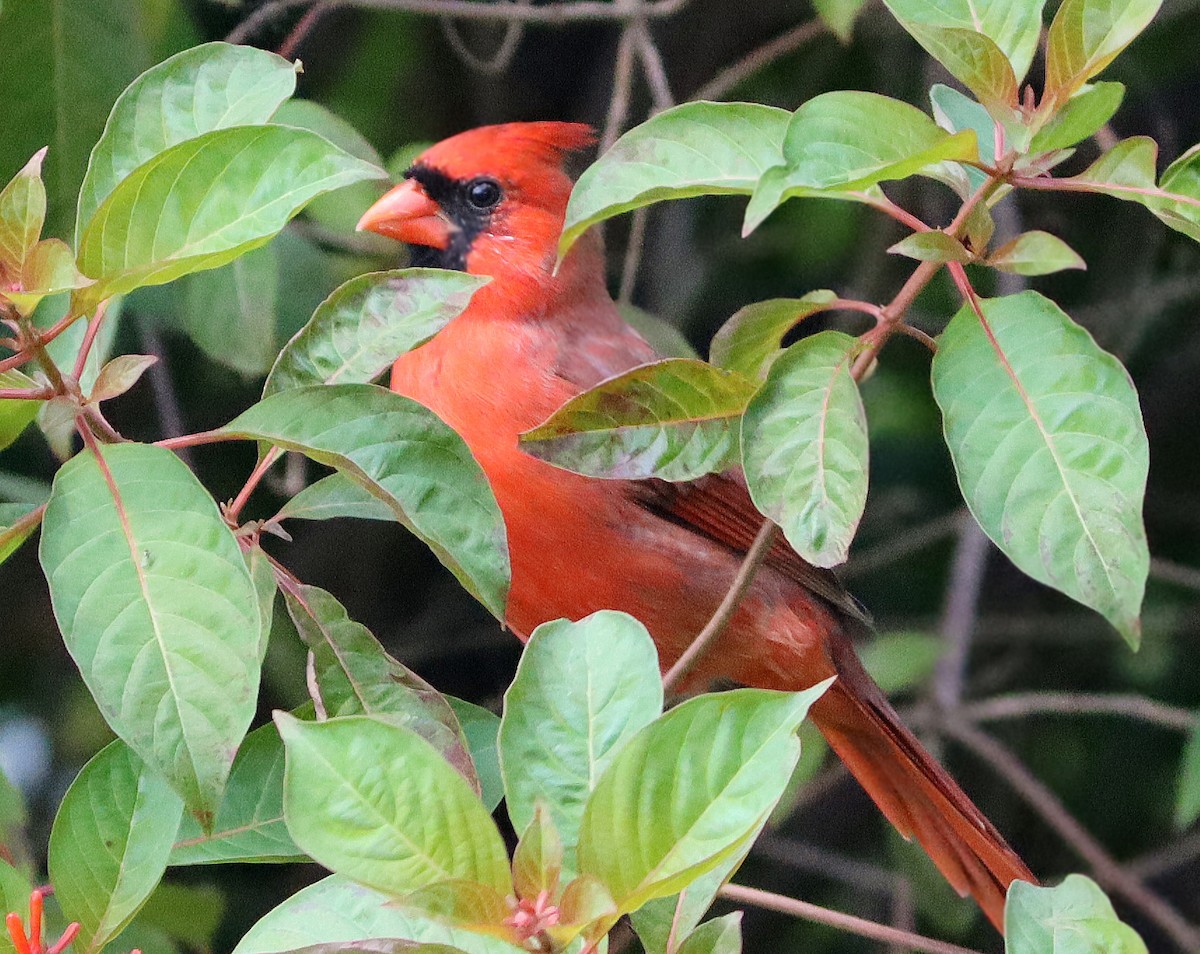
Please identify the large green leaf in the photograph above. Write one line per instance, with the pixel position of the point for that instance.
(1126, 171)
(1079, 117)
(207, 200)
(335, 496)
(804, 447)
(22, 214)
(481, 727)
(209, 87)
(672, 419)
(1085, 36)
(355, 675)
(14, 896)
(16, 413)
(974, 58)
(1048, 442)
(692, 149)
(689, 790)
(231, 312)
(1073, 918)
(1011, 25)
(12, 534)
(248, 825)
(367, 323)
(581, 692)
(750, 340)
(374, 801)
(62, 65)
(336, 909)
(840, 143)
(342, 212)
(157, 609)
(110, 841)
(404, 455)
(721, 935)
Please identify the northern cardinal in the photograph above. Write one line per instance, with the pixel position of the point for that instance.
(491, 201)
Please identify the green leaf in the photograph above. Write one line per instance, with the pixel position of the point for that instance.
(1047, 439)
(262, 576)
(1035, 253)
(207, 200)
(481, 728)
(378, 945)
(752, 339)
(804, 447)
(188, 913)
(230, 312)
(1085, 36)
(210, 87)
(581, 692)
(841, 142)
(248, 825)
(16, 413)
(954, 112)
(1074, 918)
(1011, 25)
(62, 65)
(405, 456)
(48, 269)
(355, 675)
(340, 213)
(1079, 117)
(655, 920)
(14, 896)
(687, 791)
(692, 149)
(367, 323)
(22, 213)
(671, 419)
(839, 16)
(334, 496)
(721, 935)
(338, 910)
(120, 374)
(12, 535)
(1187, 798)
(157, 609)
(110, 841)
(467, 904)
(974, 59)
(935, 246)
(374, 801)
(538, 861)
(1127, 172)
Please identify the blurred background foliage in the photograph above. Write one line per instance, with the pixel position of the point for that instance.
(395, 79)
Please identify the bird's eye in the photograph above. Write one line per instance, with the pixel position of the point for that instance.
(484, 193)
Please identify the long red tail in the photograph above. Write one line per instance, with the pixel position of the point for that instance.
(914, 792)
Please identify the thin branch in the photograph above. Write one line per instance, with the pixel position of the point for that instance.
(618, 104)
(729, 78)
(162, 384)
(714, 627)
(234, 510)
(633, 254)
(1168, 858)
(812, 859)
(846, 922)
(653, 69)
(1107, 871)
(909, 541)
(27, 394)
(1169, 572)
(89, 338)
(960, 613)
(1020, 705)
(195, 440)
(555, 14)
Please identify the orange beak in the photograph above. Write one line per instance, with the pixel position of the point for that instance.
(408, 214)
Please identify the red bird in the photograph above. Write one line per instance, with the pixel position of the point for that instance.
(491, 201)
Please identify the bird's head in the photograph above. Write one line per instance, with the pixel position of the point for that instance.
(489, 201)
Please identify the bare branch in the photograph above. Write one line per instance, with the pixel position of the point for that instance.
(1106, 870)
(728, 79)
(1024, 704)
(845, 922)
(960, 613)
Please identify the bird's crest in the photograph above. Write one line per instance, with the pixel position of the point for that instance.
(509, 146)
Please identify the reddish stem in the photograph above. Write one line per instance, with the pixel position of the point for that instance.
(26, 394)
(67, 937)
(89, 338)
(233, 511)
(195, 440)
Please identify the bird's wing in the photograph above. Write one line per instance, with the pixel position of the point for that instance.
(717, 506)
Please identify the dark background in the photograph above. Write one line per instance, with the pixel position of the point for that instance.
(400, 80)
